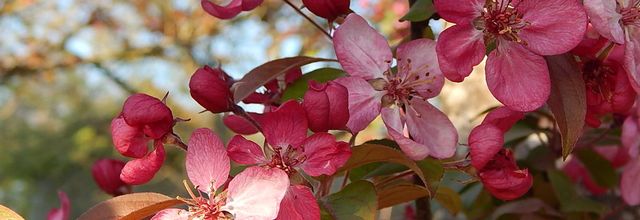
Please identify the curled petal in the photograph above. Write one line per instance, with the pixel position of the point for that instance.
(418, 59)
(239, 124)
(129, 141)
(503, 179)
(459, 49)
(248, 196)
(548, 35)
(364, 102)
(485, 141)
(207, 161)
(503, 118)
(63, 212)
(360, 49)
(223, 12)
(210, 88)
(459, 11)
(323, 154)
(327, 106)
(432, 128)
(171, 214)
(629, 183)
(246, 152)
(394, 122)
(106, 173)
(518, 78)
(286, 125)
(299, 204)
(141, 110)
(605, 19)
(632, 56)
(140, 171)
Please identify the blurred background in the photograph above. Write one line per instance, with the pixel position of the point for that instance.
(66, 66)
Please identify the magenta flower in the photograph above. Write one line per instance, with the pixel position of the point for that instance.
(106, 173)
(63, 212)
(232, 8)
(327, 106)
(522, 30)
(400, 96)
(211, 89)
(255, 193)
(619, 21)
(495, 165)
(328, 9)
(143, 119)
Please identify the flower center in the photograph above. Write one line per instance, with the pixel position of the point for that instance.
(631, 15)
(203, 208)
(501, 19)
(600, 79)
(288, 159)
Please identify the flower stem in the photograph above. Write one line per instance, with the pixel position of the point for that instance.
(308, 19)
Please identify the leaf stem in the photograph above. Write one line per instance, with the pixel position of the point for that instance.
(309, 19)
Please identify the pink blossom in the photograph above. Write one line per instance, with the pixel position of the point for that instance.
(522, 30)
(63, 212)
(143, 119)
(299, 204)
(106, 173)
(631, 173)
(619, 21)
(496, 166)
(401, 97)
(328, 9)
(232, 8)
(327, 106)
(255, 193)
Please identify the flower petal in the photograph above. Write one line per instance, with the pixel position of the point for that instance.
(429, 126)
(129, 141)
(63, 212)
(605, 19)
(106, 174)
(248, 5)
(632, 56)
(171, 214)
(256, 193)
(207, 161)
(141, 110)
(503, 179)
(286, 125)
(394, 122)
(140, 171)
(243, 151)
(459, 49)
(223, 12)
(239, 124)
(299, 204)
(485, 141)
(629, 183)
(210, 88)
(459, 11)
(419, 56)
(364, 102)
(548, 35)
(327, 106)
(323, 154)
(630, 136)
(503, 118)
(360, 49)
(517, 77)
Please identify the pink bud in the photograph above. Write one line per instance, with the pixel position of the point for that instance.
(210, 88)
(328, 9)
(148, 113)
(106, 173)
(327, 106)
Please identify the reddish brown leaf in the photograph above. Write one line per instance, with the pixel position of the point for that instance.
(8, 214)
(267, 72)
(130, 206)
(567, 101)
(400, 193)
(449, 198)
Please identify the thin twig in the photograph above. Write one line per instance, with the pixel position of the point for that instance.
(308, 19)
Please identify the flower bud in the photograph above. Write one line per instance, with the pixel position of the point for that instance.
(326, 106)
(106, 173)
(210, 88)
(328, 9)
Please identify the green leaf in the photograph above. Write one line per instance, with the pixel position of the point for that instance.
(297, 89)
(433, 171)
(357, 200)
(567, 101)
(449, 198)
(372, 153)
(420, 11)
(569, 199)
(264, 73)
(600, 169)
(400, 193)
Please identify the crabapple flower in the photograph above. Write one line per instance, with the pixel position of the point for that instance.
(143, 119)
(299, 204)
(522, 30)
(328, 9)
(61, 213)
(232, 9)
(496, 166)
(401, 97)
(631, 173)
(106, 173)
(327, 106)
(211, 89)
(619, 21)
(255, 193)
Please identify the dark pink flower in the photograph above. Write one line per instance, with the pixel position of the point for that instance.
(211, 89)
(522, 30)
(241, 125)
(299, 204)
(629, 182)
(106, 173)
(143, 119)
(495, 165)
(285, 131)
(255, 193)
(400, 96)
(327, 106)
(328, 9)
(619, 21)
(233, 8)
(63, 212)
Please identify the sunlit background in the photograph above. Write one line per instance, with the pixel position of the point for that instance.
(66, 66)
